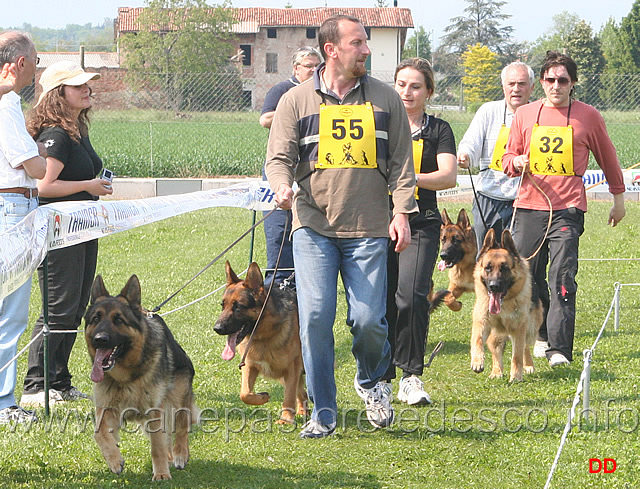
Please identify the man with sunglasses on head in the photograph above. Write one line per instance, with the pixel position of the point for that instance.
(550, 140)
(22, 162)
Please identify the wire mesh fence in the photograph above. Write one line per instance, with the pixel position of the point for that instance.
(206, 124)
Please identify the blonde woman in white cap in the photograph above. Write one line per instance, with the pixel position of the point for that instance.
(60, 120)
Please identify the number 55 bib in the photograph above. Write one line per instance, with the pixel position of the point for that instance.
(551, 150)
(347, 137)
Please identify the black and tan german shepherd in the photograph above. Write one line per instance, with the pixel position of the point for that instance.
(275, 349)
(504, 308)
(458, 251)
(140, 374)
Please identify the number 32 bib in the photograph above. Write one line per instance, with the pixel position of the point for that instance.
(551, 151)
(347, 137)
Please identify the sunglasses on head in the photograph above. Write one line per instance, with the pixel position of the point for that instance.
(562, 81)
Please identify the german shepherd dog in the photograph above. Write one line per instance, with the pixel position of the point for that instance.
(504, 308)
(275, 349)
(140, 374)
(458, 251)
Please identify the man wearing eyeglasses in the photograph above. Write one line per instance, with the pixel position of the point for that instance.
(550, 141)
(22, 162)
(305, 61)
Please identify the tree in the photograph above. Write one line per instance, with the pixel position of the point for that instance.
(419, 44)
(621, 82)
(176, 39)
(481, 67)
(554, 38)
(630, 33)
(617, 55)
(482, 24)
(585, 49)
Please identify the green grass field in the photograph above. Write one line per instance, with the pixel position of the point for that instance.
(157, 144)
(479, 433)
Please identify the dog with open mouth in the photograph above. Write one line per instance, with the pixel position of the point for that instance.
(505, 308)
(458, 251)
(140, 374)
(275, 350)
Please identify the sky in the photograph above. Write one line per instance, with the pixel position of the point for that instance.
(530, 19)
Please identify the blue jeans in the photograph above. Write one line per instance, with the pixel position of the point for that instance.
(275, 226)
(362, 266)
(14, 309)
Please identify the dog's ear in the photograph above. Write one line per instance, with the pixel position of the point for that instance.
(489, 242)
(463, 220)
(98, 289)
(232, 278)
(131, 291)
(445, 218)
(508, 243)
(254, 279)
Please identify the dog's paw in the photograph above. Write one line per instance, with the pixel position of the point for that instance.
(496, 374)
(516, 377)
(528, 369)
(180, 460)
(455, 305)
(477, 364)
(116, 464)
(287, 416)
(161, 477)
(255, 399)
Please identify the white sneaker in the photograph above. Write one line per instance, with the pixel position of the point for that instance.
(558, 359)
(313, 429)
(36, 400)
(15, 414)
(377, 403)
(540, 348)
(412, 392)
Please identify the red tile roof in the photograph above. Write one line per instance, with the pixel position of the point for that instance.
(291, 17)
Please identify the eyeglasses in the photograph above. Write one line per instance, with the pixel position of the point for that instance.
(562, 81)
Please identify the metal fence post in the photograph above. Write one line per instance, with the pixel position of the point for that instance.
(586, 385)
(616, 306)
(46, 331)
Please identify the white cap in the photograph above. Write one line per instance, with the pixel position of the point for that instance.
(64, 73)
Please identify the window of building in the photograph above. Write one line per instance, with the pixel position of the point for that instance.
(272, 33)
(272, 63)
(311, 33)
(368, 31)
(246, 54)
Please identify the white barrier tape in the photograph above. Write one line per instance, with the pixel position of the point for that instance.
(52, 226)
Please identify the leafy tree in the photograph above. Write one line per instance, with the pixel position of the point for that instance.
(586, 51)
(176, 39)
(418, 44)
(482, 24)
(555, 38)
(630, 33)
(381, 3)
(621, 82)
(481, 67)
(617, 56)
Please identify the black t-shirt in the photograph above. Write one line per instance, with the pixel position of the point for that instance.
(80, 160)
(438, 138)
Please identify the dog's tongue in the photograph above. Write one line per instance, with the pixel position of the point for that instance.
(230, 348)
(494, 303)
(97, 373)
(442, 265)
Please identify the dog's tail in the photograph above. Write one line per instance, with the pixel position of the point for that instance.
(436, 298)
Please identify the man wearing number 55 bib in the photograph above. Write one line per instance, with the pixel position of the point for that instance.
(345, 140)
(551, 140)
